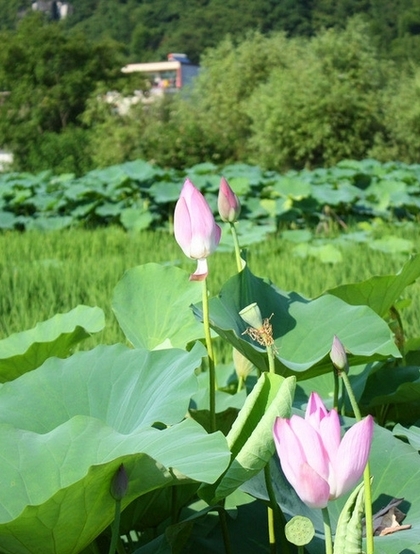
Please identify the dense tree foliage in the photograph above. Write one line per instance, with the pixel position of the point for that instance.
(313, 81)
(277, 102)
(49, 75)
(323, 105)
(149, 29)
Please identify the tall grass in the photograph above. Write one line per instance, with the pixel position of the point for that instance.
(42, 274)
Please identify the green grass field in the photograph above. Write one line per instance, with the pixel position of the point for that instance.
(46, 273)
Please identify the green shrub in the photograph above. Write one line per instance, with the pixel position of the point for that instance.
(64, 152)
(323, 106)
(401, 139)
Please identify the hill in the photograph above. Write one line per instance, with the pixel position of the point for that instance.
(150, 29)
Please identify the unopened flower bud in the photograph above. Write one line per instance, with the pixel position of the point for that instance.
(251, 314)
(228, 203)
(243, 366)
(119, 484)
(338, 355)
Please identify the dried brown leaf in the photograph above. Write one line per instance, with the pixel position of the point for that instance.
(388, 519)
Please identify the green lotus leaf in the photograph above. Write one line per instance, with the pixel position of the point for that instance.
(297, 235)
(152, 305)
(22, 352)
(50, 223)
(334, 196)
(140, 170)
(382, 291)
(325, 253)
(397, 389)
(108, 209)
(412, 434)
(7, 220)
(135, 219)
(165, 192)
(392, 245)
(292, 187)
(303, 330)
(66, 427)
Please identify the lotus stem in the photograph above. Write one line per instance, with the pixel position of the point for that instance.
(336, 390)
(115, 528)
(210, 356)
(271, 362)
(237, 247)
(370, 547)
(327, 531)
(275, 515)
(240, 384)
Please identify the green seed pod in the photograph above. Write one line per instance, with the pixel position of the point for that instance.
(299, 530)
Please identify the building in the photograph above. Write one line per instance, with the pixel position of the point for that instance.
(56, 10)
(168, 76)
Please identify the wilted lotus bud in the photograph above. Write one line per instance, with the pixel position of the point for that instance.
(243, 366)
(228, 203)
(119, 484)
(252, 315)
(338, 355)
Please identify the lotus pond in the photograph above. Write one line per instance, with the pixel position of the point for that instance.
(123, 443)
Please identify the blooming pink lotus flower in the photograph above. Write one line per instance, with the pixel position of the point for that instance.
(195, 229)
(228, 203)
(317, 462)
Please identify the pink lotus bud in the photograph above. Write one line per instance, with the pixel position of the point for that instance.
(195, 229)
(228, 203)
(338, 355)
(317, 462)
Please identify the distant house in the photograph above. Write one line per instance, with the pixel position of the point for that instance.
(56, 10)
(168, 76)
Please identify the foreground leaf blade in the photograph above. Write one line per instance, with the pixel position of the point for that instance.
(22, 352)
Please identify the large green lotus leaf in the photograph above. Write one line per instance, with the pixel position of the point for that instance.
(303, 330)
(324, 386)
(66, 427)
(251, 438)
(397, 388)
(62, 479)
(248, 233)
(412, 434)
(392, 245)
(334, 196)
(126, 388)
(49, 223)
(164, 192)
(139, 170)
(135, 219)
(325, 253)
(22, 352)
(152, 305)
(395, 467)
(292, 187)
(7, 220)
(382, 291)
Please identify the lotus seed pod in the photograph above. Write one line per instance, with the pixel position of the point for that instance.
(299, 530)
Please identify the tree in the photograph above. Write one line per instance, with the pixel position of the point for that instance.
(324, 105)
(49, 74)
